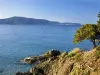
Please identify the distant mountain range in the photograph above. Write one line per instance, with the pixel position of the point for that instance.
(23, 20)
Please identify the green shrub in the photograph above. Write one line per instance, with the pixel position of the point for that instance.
(71, 54)
(78, 57)
(97, 54)
(86, 72)
(98, 48)
(52, 53)
(63, 54)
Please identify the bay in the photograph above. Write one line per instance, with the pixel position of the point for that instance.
(19, 41)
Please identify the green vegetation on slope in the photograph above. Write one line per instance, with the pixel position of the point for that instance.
(75, 62)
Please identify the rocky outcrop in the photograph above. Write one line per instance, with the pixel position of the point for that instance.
(38, 59)
(75, 62)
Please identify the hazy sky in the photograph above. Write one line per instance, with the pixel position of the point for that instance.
(82, 11)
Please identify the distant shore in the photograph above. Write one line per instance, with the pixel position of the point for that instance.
(17, 20)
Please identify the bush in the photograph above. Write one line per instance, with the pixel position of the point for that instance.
(76, 50)
(71, 54)
(64, 54)
(98, 48)
(97, 54)
(52, 53)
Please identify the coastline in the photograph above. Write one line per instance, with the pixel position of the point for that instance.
(75, 62)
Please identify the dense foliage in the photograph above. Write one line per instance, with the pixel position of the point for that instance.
(89, 32)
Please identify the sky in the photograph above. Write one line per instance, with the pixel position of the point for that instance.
(80, 11)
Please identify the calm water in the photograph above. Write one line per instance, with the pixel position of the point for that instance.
(19, 41)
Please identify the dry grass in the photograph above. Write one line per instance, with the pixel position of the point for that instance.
(76, 62)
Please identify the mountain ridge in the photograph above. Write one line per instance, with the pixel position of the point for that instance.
(17, 20)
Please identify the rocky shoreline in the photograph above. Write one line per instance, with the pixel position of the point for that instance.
(75, 62)
(39, 59)
(36, 60)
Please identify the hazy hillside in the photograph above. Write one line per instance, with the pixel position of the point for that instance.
(23, 20)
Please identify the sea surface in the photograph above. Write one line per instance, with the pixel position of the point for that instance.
(19, 41)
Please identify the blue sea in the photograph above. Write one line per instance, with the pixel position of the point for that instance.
(19, 41)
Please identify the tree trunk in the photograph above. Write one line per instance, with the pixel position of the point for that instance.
(94, 44)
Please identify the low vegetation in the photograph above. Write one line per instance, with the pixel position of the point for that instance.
(75, 62)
